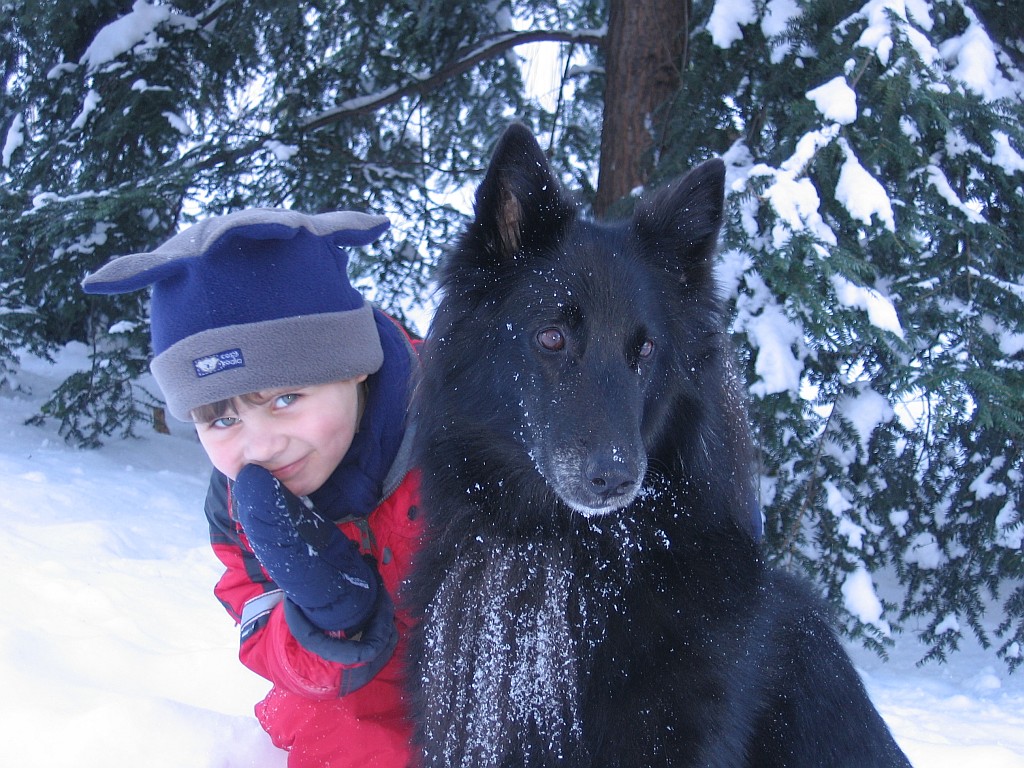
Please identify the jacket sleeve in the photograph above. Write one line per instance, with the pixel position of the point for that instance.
(268, 646)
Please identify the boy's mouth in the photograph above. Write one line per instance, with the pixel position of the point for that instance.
(288, 471)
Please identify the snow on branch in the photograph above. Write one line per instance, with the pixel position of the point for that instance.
(425, 82)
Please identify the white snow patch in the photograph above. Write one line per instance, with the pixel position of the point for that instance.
(982, 486)
(178, 123)
(835, 100)
(853, 533)
(924, 552)
(881, 312)
(282, 152)
(1009, 526)
(796, 202)
(112, 646)
(136, 28)
(15, 138)
(793, 195)
(865, 411)
(775, 335)
(948, 624)
(861, 193)
(878, 34)
(1005, 155)
(778, 17)
(973, 58)
(89, 104)
(937, 178)
(727, 18)
(859, 598)
(836, 500)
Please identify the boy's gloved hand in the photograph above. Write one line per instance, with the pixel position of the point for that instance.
(318, 567)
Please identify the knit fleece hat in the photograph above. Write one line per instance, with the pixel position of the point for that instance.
(257, 299)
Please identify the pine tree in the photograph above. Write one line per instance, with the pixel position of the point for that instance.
(85, 136)
(875, 257)
(125, 121)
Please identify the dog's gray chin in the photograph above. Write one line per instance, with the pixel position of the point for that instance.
(599, 509)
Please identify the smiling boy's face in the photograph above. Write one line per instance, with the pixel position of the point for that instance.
(299, 435)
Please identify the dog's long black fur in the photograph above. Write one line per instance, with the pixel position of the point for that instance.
(590, 591)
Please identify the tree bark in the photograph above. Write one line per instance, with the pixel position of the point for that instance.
(644, 53)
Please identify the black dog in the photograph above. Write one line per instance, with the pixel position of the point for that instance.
(590, 592)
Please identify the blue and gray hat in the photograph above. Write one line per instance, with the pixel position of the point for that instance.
(254, 300)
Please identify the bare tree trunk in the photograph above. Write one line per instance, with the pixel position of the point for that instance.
(644, 52)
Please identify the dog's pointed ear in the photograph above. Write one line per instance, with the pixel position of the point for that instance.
(520, 204)
(678, 225)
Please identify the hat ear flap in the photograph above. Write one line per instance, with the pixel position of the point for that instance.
(133, 272)
(351, 236)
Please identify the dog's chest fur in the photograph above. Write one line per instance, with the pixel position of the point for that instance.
(508, 639)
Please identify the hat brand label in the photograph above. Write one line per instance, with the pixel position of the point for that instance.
(222, 361)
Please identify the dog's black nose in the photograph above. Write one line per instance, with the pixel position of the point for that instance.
(609, 477)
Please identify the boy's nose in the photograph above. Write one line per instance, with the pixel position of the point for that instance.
(264, 446)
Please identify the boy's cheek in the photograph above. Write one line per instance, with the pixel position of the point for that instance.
(230, 469)
(222, 459)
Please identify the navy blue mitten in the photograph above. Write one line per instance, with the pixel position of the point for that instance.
(319, 568)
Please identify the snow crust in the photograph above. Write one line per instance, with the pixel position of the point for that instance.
(113, 650)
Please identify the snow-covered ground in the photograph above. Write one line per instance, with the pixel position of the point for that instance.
(114, 652)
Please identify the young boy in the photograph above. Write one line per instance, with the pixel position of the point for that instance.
(299, 390)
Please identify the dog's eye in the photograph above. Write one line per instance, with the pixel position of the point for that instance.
(646, 349)
(551, 339)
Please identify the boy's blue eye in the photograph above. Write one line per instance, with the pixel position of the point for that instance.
(283, 401)
(224, 422)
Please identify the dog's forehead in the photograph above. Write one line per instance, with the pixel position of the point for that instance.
(605, 266)
(595, 273)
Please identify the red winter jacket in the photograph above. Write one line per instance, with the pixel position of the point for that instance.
(304, 712)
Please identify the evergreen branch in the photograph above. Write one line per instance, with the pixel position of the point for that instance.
(789, 544)
(418, 85)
